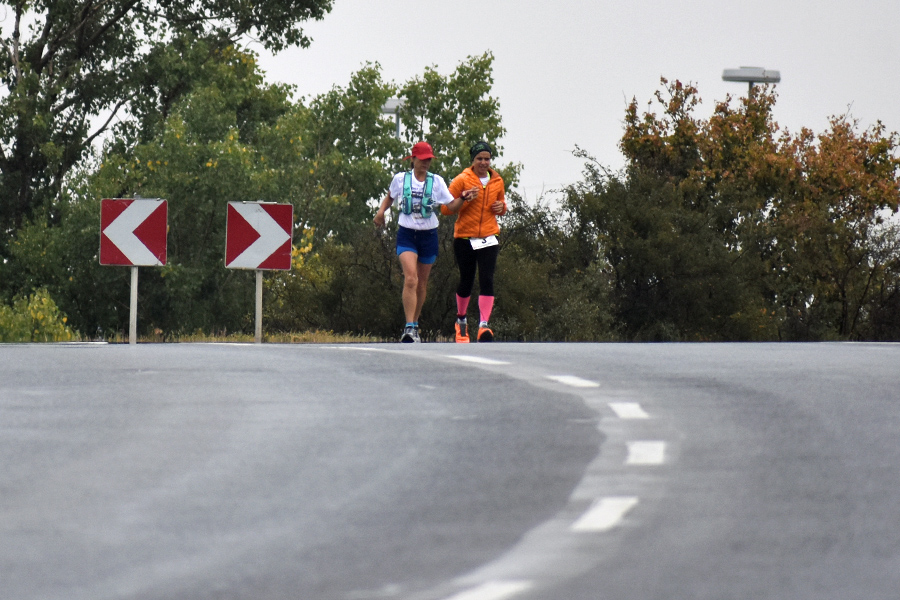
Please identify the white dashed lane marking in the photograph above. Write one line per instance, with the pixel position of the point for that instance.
(477, 359)
(605, 514)
(573, 381)
(493, 590)
(628, 410)
(646, 453)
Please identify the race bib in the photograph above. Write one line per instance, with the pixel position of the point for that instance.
(487, 242)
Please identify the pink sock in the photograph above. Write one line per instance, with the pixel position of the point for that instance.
(462, 305)
(485, 305)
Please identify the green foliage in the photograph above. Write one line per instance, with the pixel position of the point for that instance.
(351, 150)
(64, 260)
(348, 277)
(453, 112)
(236, 138)
(212, 150)
(65, 64)
(835, 247)
(551, 286)
(34, 318)
(229, 141)
(352, 287)
(724, 229)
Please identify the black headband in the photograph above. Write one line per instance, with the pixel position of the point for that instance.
(480, 147)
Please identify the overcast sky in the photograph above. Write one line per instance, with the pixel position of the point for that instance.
(565, 70)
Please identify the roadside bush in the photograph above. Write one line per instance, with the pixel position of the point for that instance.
(35, 318)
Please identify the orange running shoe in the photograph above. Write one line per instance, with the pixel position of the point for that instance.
(462, 332)
(484, 333)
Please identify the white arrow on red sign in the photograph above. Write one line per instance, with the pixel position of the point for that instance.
(259, 235)
(133, 232)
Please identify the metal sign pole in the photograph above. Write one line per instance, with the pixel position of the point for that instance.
(259, 288)
(132, 329)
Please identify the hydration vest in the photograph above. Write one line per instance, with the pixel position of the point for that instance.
(406, 203)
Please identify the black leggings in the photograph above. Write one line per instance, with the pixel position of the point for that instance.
(467, 258)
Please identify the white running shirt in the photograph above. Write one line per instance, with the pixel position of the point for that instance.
(439, 195)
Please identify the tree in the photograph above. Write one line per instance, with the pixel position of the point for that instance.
(351, 275)
(353, 151)
(33, 319)
(236, 138)
(453, 112)
(836, 245)
(555, 286)
(224, 141)
(674, 228)
(70, 66)
(729, 229)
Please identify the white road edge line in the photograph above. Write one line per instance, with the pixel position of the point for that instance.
(628, 410)
(646, 453)
(478, 359)
(493, 590)
(573, 381)
(605, 513)
(365, 349)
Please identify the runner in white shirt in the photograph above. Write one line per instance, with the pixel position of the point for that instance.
(417, 241)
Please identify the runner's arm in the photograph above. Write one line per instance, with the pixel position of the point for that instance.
(385, 205)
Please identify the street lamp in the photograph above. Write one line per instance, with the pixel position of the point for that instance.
(751, 75)
(392, 107)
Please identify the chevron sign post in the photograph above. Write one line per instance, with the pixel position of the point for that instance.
(133, 233)
(258, 236)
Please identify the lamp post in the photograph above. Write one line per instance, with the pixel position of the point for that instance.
(392, 107)
(751, 75)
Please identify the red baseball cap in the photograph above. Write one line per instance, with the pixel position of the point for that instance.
(422, 150)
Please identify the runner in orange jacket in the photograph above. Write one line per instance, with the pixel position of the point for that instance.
(475, 244)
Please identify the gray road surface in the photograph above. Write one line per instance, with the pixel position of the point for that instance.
(441, 471)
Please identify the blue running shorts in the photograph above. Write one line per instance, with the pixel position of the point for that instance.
(423, 242)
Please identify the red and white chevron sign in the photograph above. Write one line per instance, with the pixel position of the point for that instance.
(259, 235)
(133, 232)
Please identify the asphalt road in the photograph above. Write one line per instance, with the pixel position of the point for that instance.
(441, 471)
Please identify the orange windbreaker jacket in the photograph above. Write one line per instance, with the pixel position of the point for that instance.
(475, 218)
